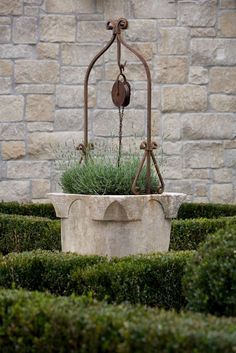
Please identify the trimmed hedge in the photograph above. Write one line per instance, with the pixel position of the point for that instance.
(186, 211)
(153, 280)
(30, 209)
(210, 279)
(205, 210)
(189, 233)
(38, 323)
(21, 233)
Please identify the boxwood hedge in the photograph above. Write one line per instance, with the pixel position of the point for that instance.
(38, 323)
(153, 280)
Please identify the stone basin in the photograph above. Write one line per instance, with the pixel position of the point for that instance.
(116, 225)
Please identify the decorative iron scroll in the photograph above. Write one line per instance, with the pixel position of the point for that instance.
(116, 26)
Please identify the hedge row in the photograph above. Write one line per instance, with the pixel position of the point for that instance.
(37, 210)
(210, 210)
(187, 234)
(186, 211)
(25, 233)
(35, 322)
(154, 280)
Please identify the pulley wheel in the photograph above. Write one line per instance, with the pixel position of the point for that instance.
(119, 93)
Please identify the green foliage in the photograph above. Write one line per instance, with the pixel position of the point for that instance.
(104, 177)
(187, 234)
(39, 323)
(210, 210)
(154, 280)
(210, 280)
(37, 210)
(43, 270)
(21, 233)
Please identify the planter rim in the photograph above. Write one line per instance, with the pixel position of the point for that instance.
(133, 204)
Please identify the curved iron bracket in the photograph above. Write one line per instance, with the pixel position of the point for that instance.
(117, 26)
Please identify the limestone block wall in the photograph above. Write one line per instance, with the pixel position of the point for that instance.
(190, 45)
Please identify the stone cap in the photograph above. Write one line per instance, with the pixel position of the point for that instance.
(117, 207)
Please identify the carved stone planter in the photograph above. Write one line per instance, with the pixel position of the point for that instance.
(116, 225)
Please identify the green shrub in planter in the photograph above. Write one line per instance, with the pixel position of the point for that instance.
(39, 323)
(104, 177)
(210, 280)
(21, 233)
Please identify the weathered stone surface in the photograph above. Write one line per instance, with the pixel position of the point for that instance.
(35, 71)
(11, 7)
(199, 13)
(5, 85)
(171, 127)
(13, 150)
(222, 193)
(42, 126)
(6, 68)
(92, 31)
(203, 155)
(139, 98)
(156, 123)
(31, 10)
(173, 40)
(68, 119)
(200, 190)
(147, 49)
(121, 219)
(134, 71)
(228, 4)
(114, 9)
(56, 28)
(75, 75)
(12, 190)
(178, 185)
(27, 169)
(227, 24)
(222, 79)
(5, 34)
(25, 30)
(106, 123)
(171, 69)
(61, 6)
(200, 173)
(77, 54)
(172, 148)
(203, 32)
(40, 188)
(154, 9)
(213, 51)
(142, 31)
(40, 107)
(198, 75)
(35, 88)
(209, 126)
(69, 96)
(183, 98)
(5, 20)
(230, 158)
(223, 102)
(45, 145)
(12, 131)
(172, 168)
(222, 175)
(48, 50)
(11, 108)
(10, 51)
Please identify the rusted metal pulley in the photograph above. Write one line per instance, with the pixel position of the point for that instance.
(121, 91)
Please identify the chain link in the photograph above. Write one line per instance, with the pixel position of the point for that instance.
(121, 117)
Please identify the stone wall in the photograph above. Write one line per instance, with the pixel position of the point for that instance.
(190, 45)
